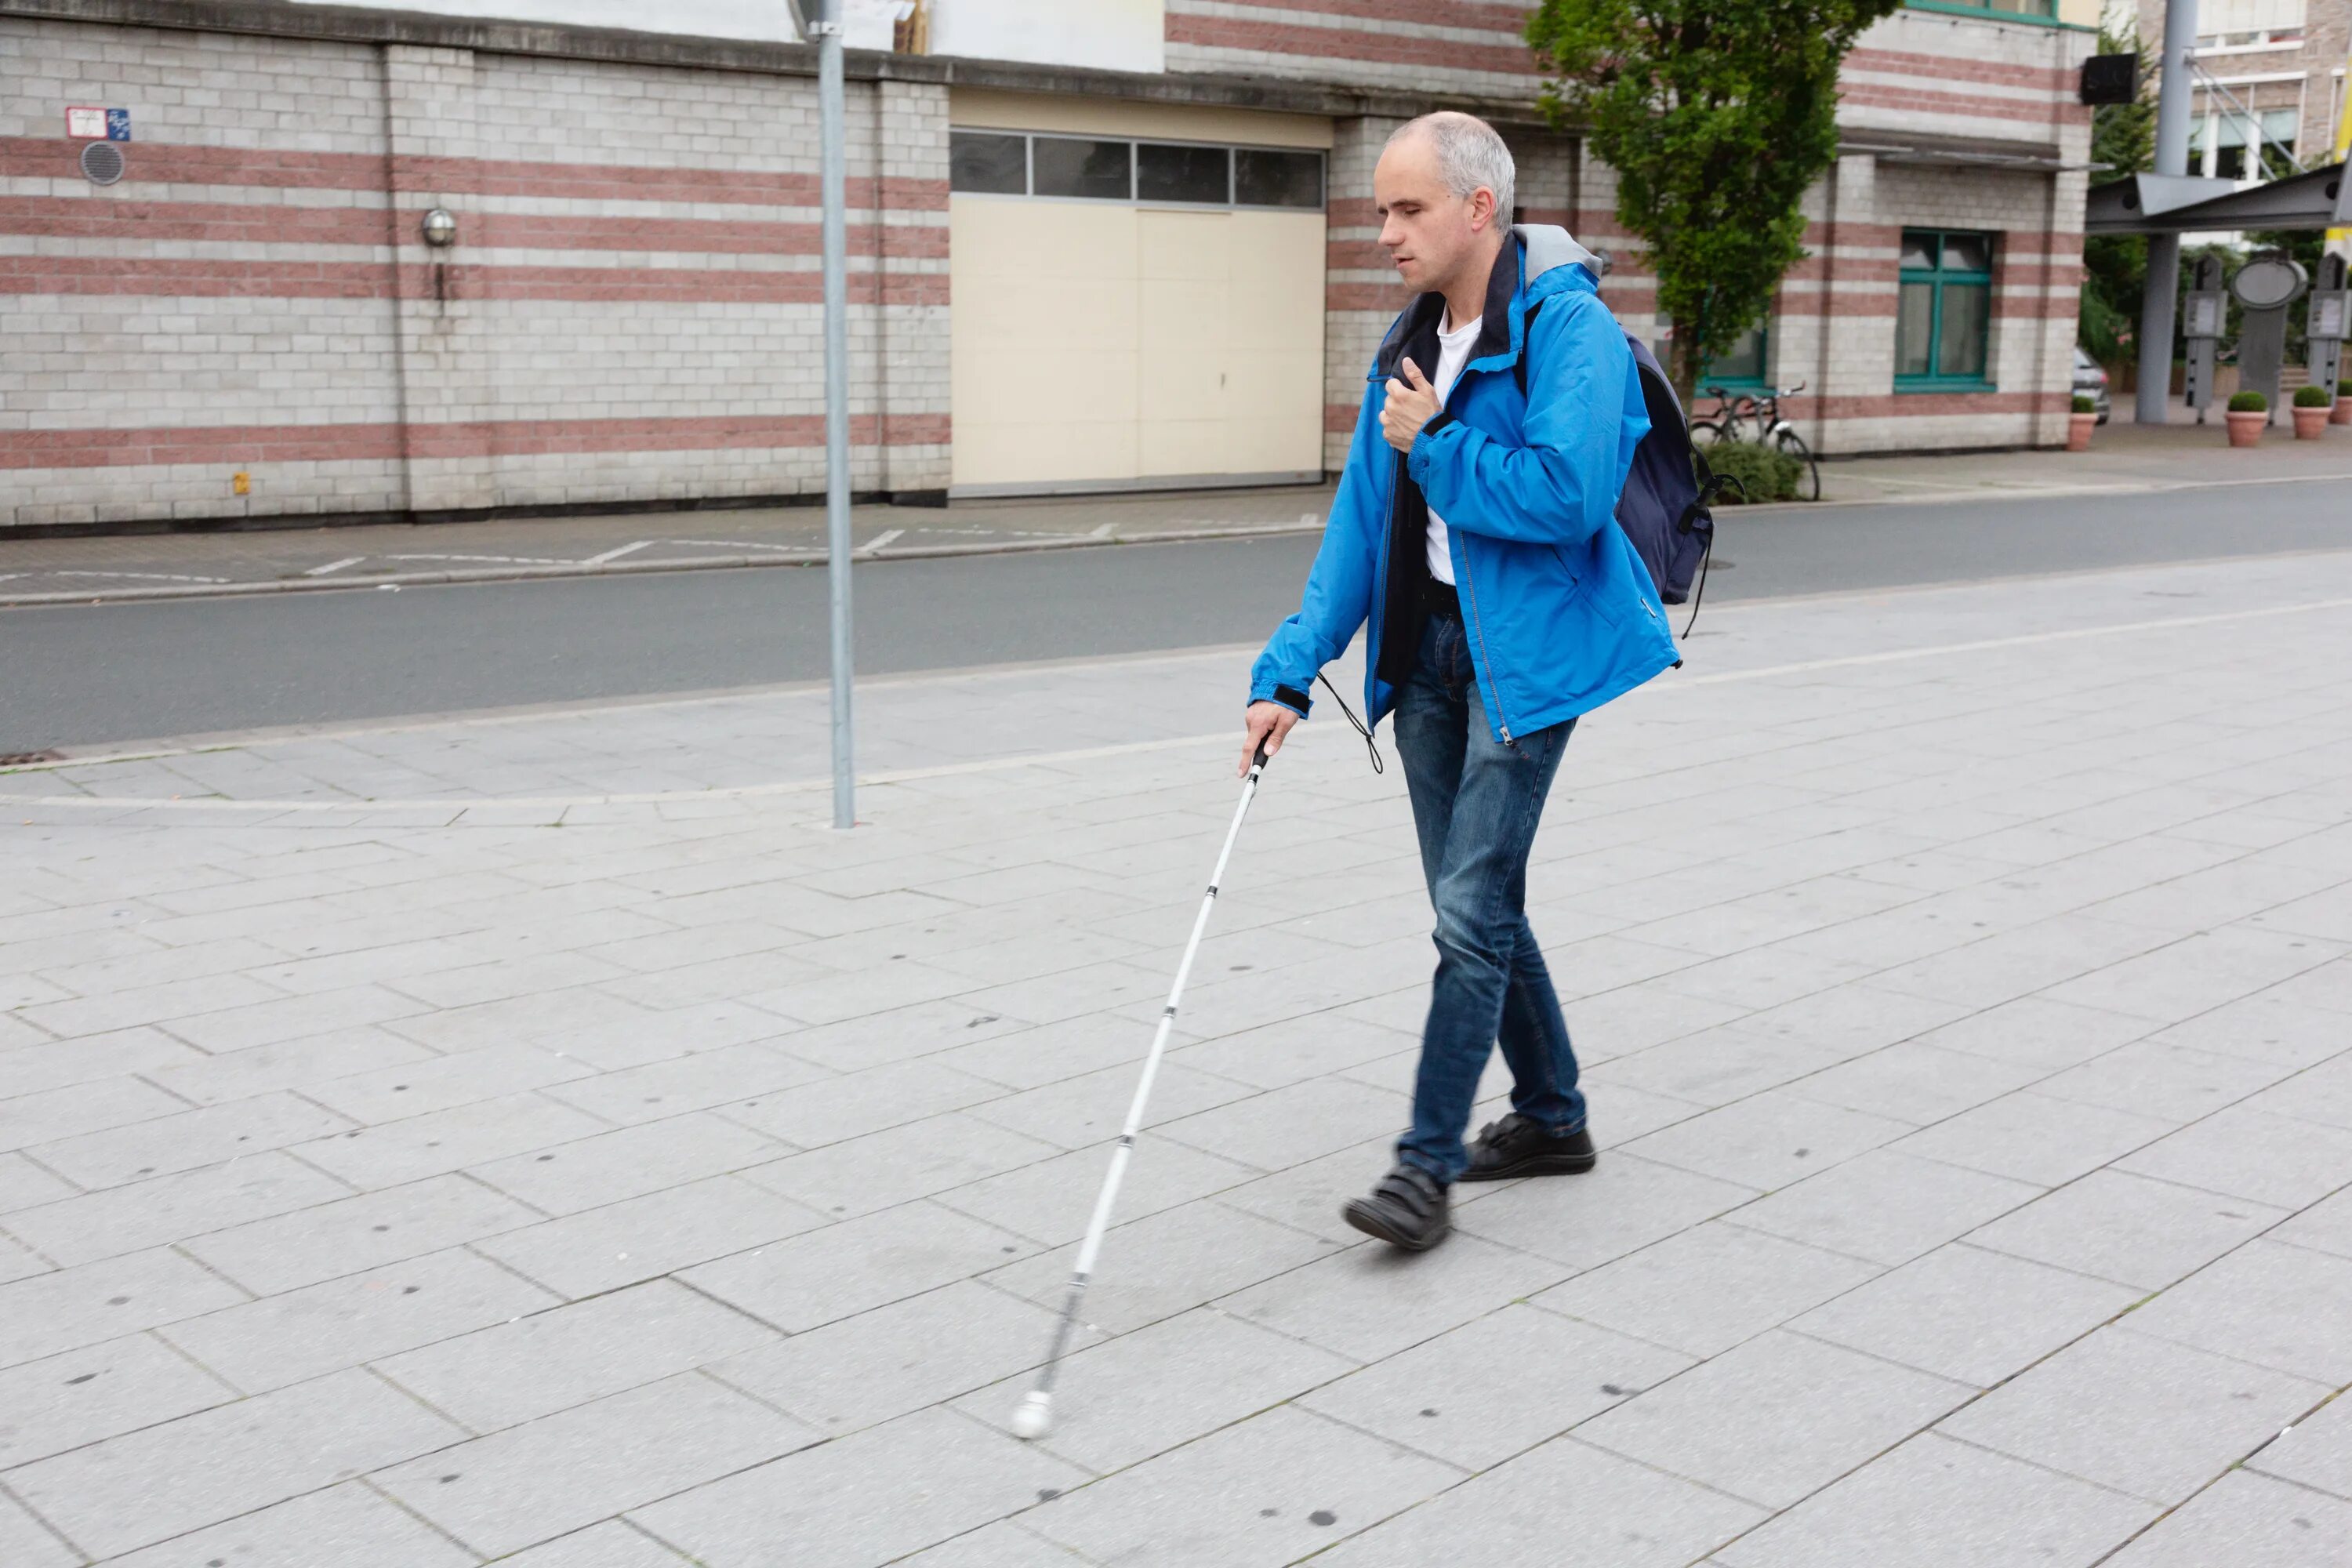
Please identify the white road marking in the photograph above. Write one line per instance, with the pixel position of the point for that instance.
(333, 566)
(878, 541)
(737, 544)
(499, 559)
(147, 576)
(616, 554)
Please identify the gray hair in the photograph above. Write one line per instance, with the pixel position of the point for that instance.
(1469, 154)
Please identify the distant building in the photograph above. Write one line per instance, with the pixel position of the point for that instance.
(2272, 81)
(1095, 244)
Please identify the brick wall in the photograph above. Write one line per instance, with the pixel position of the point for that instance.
(631, 312)
(1462, 47)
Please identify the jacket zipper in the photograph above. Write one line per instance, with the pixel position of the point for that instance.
(1479, 627)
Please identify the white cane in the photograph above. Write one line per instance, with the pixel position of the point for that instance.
(1034, 1417)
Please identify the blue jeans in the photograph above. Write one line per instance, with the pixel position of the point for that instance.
(1476, 804)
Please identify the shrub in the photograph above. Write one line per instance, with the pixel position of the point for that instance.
(2312, 397)
(2085, 405)
(1765, 472)
(2248, 403)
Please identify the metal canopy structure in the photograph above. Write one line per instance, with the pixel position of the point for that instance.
(2180, 204)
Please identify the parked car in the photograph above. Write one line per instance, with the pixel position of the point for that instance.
(2091, 381)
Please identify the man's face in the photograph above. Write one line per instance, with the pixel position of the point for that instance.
(1431, 233)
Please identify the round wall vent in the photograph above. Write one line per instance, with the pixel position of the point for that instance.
(102, 161)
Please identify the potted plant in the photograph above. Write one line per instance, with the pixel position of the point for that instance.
(2343, 415)
(2248, 413)
(2081, 423)
(2310, 409)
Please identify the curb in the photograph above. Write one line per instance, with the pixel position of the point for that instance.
(622, 568)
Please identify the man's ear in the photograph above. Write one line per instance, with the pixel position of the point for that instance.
(1482, 209)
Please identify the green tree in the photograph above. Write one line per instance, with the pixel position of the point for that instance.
(2114, 266)
(1717, 115)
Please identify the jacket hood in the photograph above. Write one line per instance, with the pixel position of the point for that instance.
(1547, 245)
(1537, 251)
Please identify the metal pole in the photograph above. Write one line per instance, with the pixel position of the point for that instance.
(836, 397)
(2151, 403)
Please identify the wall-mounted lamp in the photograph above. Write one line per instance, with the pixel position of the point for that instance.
(440, 227)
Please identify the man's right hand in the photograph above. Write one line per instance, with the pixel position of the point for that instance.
(1266, 723)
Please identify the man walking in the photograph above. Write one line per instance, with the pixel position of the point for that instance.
(1473, 536)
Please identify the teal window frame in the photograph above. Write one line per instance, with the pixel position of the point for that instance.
(1755, 383)
(2046, 16)
(1940, 277)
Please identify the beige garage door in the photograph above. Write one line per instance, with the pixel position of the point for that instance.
(1134, 313)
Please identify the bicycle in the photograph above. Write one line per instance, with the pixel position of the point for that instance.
(1736, 410)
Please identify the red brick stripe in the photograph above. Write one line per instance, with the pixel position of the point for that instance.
(166, 278)
(1467, 13)
(1925, 404)
(1923, 101)
(1388, 299)
(158, 162)
(76, 217)
(215, 445)
(1949, 67)
(1338, 43)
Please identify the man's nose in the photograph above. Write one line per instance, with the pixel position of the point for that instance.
(1390, 235)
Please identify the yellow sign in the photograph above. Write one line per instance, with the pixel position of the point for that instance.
(2344, 143)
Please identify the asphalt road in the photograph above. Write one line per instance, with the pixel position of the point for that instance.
(82, 676)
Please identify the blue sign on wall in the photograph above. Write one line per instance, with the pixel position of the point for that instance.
(117, 125)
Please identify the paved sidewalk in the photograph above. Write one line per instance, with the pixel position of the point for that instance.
(540, 1139)
(2124, 459)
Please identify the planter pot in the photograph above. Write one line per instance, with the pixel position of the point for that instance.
(2246, 429)
(2078, 431)
(2342, 414)
(2310, 424)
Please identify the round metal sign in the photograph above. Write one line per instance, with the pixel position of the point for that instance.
(2269, 282)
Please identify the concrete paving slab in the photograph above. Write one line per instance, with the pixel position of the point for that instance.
(1626, 1516)
(99, 1392)
(2136, 1415)
(546, 1478)
(549, 1361)
(1704, 1290)
(1495, 1386)
(1774, 1418)
(1884, 1207)
(865, 1500)
(1941, 830)
(2127, 1229)
(2273, 1305)
(345, 1526)
(1264, 1491)
(200, 1471)
(1967, 1314)
(1935, 1503)
(2249, 1521)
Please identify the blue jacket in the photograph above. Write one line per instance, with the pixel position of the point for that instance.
(1525, 467)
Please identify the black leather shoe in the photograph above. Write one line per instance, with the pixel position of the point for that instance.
(1407, 1208)
(1516, 1146)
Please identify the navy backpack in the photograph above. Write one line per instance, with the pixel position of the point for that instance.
(1666, 508)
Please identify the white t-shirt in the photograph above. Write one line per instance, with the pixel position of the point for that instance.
(1453, 353)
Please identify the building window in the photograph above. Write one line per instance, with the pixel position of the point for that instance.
(2028, 10)
(2222, 143)
(1944, 313)
(1740, 364)
(1087, 168)
(2249, 24)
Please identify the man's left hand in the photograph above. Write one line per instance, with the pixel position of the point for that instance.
(1411, 404)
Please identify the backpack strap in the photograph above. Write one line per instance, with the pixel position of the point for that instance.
(1527, 339)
